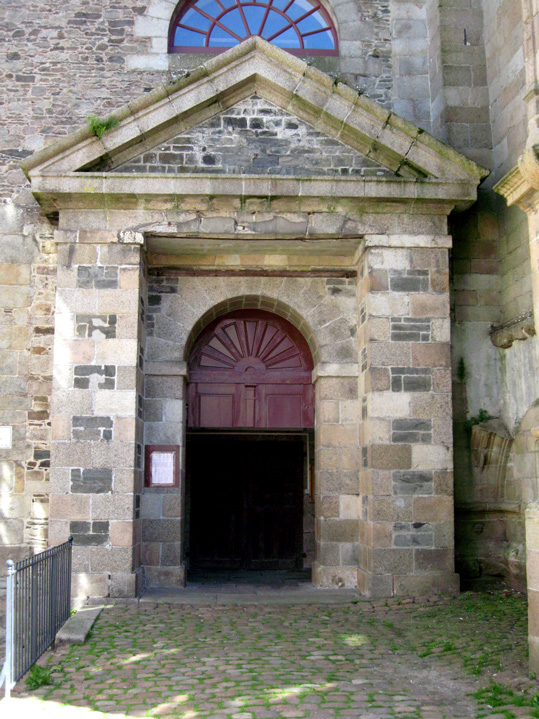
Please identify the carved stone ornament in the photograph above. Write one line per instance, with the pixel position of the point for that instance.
(503, 336)
(520, 185)
(528, 165)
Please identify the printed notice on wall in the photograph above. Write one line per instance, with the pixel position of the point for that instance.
(5, 437)
(163, 468)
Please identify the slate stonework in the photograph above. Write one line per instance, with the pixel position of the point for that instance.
(254, 137)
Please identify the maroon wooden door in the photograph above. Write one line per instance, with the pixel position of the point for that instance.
(246, 498)
(251, 368)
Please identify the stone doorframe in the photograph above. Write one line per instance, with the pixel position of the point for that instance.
(384, 505)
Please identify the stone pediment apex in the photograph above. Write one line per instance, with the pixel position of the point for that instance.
(257, 67)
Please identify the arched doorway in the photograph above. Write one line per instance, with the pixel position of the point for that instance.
(250, 424)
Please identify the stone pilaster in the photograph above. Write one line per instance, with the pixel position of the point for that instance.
(163, 508)
(336, 476)
(521, 187)
(530, 23)
(406, 481)
(95, 456)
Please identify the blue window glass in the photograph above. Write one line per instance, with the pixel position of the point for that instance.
(299, 26)
(288, 38)
(312, 23)
(280, 4)
(232, 20)
(196, 20)
(222, 38)
(255, 16)
(210, 7)
(274, 23)
(188, 38)
(320, 41)
(299, 8)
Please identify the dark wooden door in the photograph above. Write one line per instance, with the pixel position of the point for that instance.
(246, 499)
(251, 369)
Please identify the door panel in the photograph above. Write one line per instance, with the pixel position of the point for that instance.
(213, 405)
(286, 406)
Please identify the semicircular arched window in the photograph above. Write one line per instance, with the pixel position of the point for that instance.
(302, 27)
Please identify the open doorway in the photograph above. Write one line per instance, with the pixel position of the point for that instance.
(246, 496)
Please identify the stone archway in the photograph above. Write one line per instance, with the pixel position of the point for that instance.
(326, 321)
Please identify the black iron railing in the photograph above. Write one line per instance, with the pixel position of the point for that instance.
(38, 603)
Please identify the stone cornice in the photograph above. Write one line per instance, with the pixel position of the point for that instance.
(102, 191)
(521, 185)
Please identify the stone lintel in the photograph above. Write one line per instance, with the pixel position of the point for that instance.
(326, 369)
(404, 241)
(98, 237)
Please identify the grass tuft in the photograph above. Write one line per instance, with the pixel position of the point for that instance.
(38, 677)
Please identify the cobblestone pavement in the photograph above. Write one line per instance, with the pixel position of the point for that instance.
(444, 658)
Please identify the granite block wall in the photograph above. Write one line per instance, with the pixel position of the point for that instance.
(492, 309)
(406, 480)
(96, 464)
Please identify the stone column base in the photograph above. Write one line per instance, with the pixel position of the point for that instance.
(164, 577)
(380, 586)
(86, 586)
(533, 656)
(334, 577)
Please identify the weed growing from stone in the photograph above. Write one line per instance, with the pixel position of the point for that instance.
(99, 126)
(38, 677)
(497, 696)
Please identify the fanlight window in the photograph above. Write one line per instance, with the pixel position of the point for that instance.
(303, 27)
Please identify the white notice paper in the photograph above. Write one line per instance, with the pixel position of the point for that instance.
(5, 437)
(162, 467)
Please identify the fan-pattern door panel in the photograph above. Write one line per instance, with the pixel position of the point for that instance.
(251, 369)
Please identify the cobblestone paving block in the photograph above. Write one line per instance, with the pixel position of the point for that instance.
(439, 659)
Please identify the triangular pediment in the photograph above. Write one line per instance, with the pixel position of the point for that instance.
(255, 67)
(253, 137)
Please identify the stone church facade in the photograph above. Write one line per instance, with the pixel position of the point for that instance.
(281, 312)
